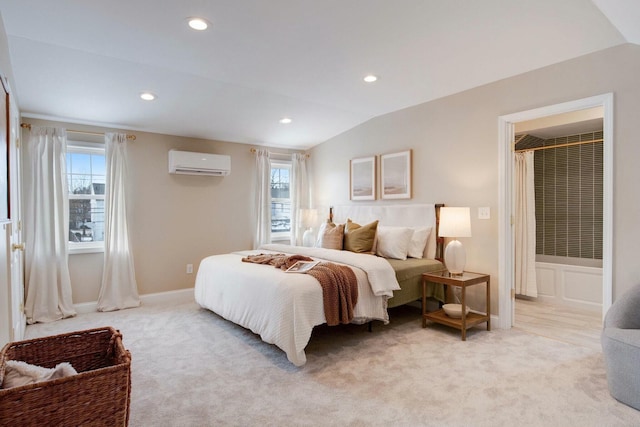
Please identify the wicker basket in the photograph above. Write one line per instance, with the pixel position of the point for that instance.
(98, 396)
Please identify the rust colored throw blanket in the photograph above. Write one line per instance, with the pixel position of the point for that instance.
(338, 282)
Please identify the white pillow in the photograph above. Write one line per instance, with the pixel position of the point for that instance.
(393, 242)
(418, 242)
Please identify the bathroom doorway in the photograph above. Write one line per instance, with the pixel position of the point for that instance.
(507, 130)
(561, 296)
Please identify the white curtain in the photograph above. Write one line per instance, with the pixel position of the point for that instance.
(525, 226)
(263, 198)
(47, 280)
(299, 195)
(119, 289)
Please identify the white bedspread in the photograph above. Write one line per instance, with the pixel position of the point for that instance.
(284, 307)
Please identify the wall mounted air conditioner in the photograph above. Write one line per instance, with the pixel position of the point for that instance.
(190, 163)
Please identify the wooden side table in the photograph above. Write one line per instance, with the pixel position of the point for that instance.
(461, 281)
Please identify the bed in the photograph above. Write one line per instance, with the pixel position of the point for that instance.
(284, 308)
(409, 271)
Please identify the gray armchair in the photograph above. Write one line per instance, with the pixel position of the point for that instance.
(621, 347)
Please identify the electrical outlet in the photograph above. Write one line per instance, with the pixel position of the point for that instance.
(189, 268)
(484, 213)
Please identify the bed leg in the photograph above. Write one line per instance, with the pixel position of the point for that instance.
(370, 326)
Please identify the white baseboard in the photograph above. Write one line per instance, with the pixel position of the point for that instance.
(174, 297)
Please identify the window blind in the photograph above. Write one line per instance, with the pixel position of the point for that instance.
(569, 197)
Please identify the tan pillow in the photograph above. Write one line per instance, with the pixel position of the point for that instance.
(359, 238)
(330, 236)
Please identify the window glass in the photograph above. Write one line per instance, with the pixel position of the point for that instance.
(280, 200)
(86, 183)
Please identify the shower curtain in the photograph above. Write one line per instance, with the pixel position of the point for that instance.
(525, 226)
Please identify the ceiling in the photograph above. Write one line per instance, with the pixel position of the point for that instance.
(87, 61)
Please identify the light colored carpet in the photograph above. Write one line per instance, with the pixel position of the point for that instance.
(192, 368)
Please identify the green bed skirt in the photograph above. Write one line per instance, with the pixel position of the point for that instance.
(409, 275)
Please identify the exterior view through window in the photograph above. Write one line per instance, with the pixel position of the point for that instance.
(86, 184)
(280, 200)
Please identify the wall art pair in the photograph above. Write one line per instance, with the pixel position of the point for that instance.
(395, 176)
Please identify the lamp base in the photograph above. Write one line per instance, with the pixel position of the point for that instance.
(308, 238)
(455, 257)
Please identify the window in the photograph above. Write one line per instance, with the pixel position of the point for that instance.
(280, 200)
(86, 183)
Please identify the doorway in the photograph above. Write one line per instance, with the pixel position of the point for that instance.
(506, 293)
(561, 297)
(12, 318)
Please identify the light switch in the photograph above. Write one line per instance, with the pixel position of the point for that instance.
(484, 213)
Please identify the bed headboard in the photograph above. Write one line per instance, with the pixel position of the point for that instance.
(408, 215)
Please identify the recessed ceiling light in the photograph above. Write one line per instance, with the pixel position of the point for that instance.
(285, 120)
(147, 96)
(370, 78)
(199, 24)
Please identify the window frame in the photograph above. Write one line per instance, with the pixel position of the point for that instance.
(281, 164)
(83, 147)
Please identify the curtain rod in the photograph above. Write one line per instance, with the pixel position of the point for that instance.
(591, 141)
(129, 136)
(253, 150)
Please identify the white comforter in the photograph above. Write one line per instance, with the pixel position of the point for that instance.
(283, 307)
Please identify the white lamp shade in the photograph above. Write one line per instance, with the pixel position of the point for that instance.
(309, 217)
(454, 222)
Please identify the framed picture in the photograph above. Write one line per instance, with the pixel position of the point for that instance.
(396, 175)
(362, 178)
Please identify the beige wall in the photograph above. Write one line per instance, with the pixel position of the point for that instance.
(175, 219)
(455, 150)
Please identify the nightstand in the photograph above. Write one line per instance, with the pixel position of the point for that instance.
(462, 281)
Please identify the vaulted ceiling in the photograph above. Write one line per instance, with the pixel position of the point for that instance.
(86, 61)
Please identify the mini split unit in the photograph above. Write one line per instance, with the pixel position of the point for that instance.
(190, 163)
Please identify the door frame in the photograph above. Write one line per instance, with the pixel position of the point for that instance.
(506, 132)
(19, 318)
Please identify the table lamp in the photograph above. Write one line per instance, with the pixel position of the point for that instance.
(454, 223)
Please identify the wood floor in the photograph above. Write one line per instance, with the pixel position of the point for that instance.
(561, 323)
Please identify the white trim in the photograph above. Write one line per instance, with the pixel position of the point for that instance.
(76, 248)
(570, 285)
(179, 296)
(101, 125)
(86, 147)
(505, 162)
(506, 270)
